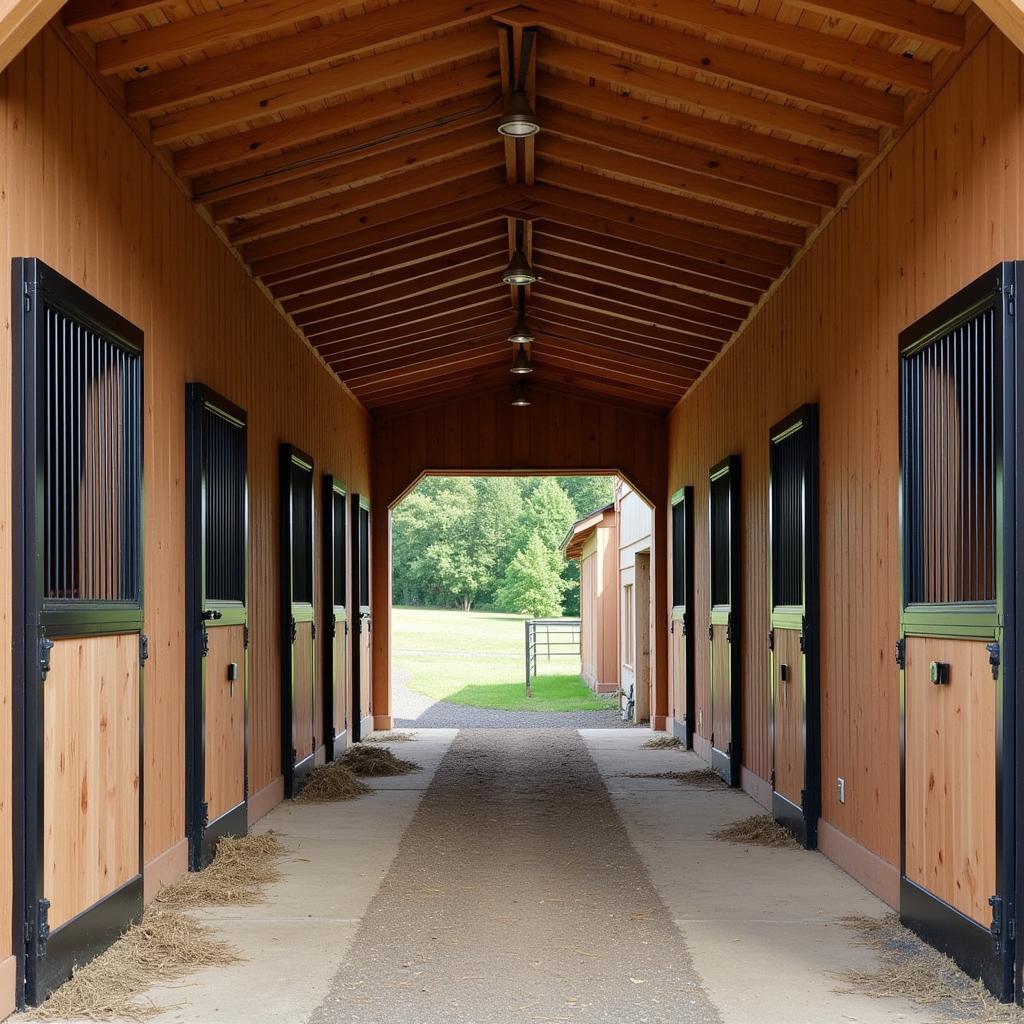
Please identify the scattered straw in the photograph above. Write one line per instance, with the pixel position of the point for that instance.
(164, 946)
(911, 969)
(376, 761)
(757, 830)
(662, 743)
(241, 868)
(697, 778)
(390, 737)
(329, 783)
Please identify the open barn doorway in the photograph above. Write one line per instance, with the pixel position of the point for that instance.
(510, 606)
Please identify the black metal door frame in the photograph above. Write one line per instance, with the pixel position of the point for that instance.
(990, 954)
(335, 613)
(201, 615)
(45, 958)
(728, 763)
(682, 610)
(362, 611)
(802, 821)
(295, 772)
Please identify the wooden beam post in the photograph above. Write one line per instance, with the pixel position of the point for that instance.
(1008, 17)
(20, 21)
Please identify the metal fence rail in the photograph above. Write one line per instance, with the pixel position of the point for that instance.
(550, 638)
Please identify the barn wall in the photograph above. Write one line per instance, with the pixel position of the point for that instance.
(480, 434)
(942, 208)
(78, 190)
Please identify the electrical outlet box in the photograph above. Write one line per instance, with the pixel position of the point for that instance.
(841, 789)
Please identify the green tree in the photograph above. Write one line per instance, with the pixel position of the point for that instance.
(533, 583)
(588, 493)
(547, 511)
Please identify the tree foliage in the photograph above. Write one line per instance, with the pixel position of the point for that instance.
(491, 542)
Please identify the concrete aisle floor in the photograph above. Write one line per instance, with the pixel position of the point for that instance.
(520, 888)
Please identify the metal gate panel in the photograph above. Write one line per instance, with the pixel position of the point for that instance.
(335, 597)
(681, 624)
(362, 648)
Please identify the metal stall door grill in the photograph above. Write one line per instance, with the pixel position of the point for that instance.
(298, 625)
(216, 614)
(362, 648)
(956, 651)
(793, 528)
(681, 625)
(335, 608)
(78, 649)
(724, 627)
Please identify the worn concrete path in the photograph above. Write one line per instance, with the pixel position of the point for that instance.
(516, 896)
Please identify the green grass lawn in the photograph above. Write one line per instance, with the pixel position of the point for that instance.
(477, 658)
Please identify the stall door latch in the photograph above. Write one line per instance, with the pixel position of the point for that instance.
(1001, 922)
(45, 646)
(994, 658)
(901, 652)
(42, 929)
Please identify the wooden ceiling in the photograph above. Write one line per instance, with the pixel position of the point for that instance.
(689, 149)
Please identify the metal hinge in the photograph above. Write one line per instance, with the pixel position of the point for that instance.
(295, 755)
(291, 630)
(901, 652)
(204, 813)
(204, 643)
(45, 646)
(996, 927)
(728, 629)
(711, 631)
(684, 623)
(143, 649)
(672, 627)
(803, 634)
(28, 298)
(1009, 299)
(332, 628)
(313, 630)
(994, 658)
(245, 636)
(771, 778)
(771, 639)
(42, 928)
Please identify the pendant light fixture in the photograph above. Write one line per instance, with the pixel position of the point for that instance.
(521, 395)
(519, 272)
(519, 120)
(521, 364)
(521, 334)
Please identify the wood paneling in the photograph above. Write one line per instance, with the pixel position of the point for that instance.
(78, 190)
(720, 726)
(224, 741)
(304, 700)
(942, 207)
(560, 432)
(90, 772)
(950, 758)
(788, 757)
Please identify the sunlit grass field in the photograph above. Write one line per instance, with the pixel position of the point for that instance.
(478, 659)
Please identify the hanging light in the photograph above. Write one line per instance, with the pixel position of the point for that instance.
(521, 395)
(521, 334)
(519, 270)
(519, 121)
(521, 364)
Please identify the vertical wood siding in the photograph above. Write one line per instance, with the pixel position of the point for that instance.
(79, 191)
(942, 208)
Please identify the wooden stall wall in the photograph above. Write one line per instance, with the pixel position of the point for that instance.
(78, 190)
(560, 432)
(942, 208)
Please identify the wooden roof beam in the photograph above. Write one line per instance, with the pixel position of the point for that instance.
(20, 21)
(576, 380)
(571, 357)
(643, 355)
(643, 80)
(436, 387)
(81, 15)
(397, 355)
(1007, 16)
(905, 18)
(427, 366)
(693, 54)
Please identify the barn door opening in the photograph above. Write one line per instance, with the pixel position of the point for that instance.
(793, 634)
(724, 627)
(298, 622)
(362, 648)
(958, 455)
(681, 625)
(78, 643)
(335, 658)
(216, 621)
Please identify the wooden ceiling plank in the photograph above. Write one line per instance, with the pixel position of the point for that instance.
(598, 99)
(400, 340)
(401, 133)
(362, 197)
(1007, 16)
(905, 18)
(791, 40)
(694, 54)
(439, 386)
(567, 125)
(272, 138)
(640, 170)
(571, 343)
(622, 371)
(576, 380)
(82, 15)
(446, 215)
(302, 240)
(645, 80)
(452, 341)
(379, 72)
(20, 22)
(428, 366)
(446, 249)
(632, 260)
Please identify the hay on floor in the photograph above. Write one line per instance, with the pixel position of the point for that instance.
(390, 737)
(240, 870)
(757, 830)
(697, 778)
(911, 969)
(376, 761)
(329, 783)
(662, 743)
(164, 946)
